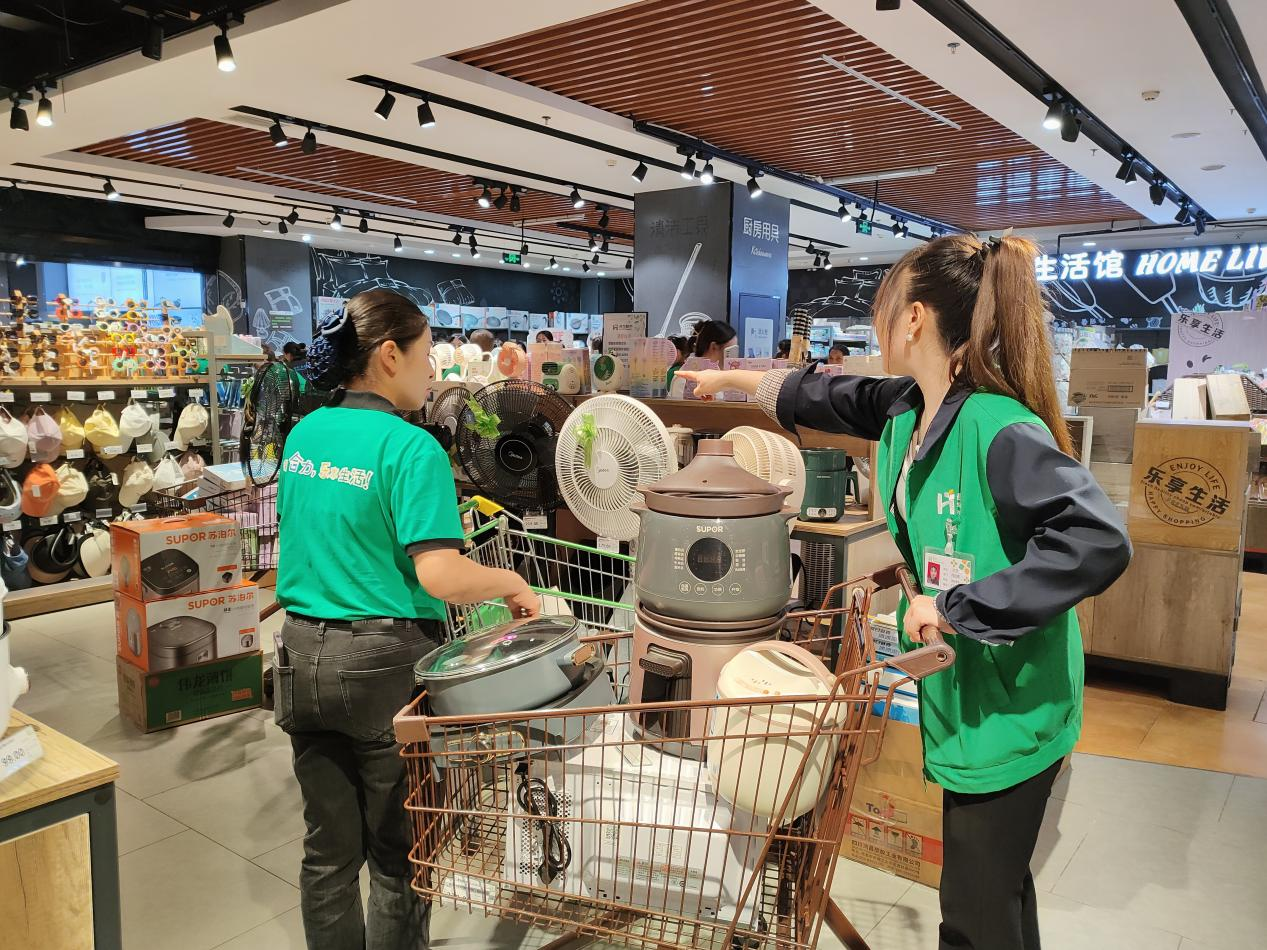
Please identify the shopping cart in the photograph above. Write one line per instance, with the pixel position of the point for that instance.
(582, 823)
(253, 508)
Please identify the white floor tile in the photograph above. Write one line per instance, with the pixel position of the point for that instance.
(188, 893)
(1175, 798)
(1065, 826)
(140, 825)
(79, 697)
(284, 932)
(1246, 810)
(90, 629)
(1068, 925)
(283, 860)
(865, 895)
(33, 649)
(911, 924)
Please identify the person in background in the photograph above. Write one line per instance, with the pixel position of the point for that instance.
(836, 355)
(710, 338)
(543, 336)
(596, 344)
(784, 350)
(270, 354)
(368, 563)
(683, 346)
(1006, 532)
(484, 339)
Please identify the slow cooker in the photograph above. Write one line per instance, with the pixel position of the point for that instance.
(181, 641)
(713, 541)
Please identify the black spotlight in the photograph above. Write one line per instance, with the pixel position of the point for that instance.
(1182, 216)
(594, 259)
(277, 134)
(577, 200)
(811, 249)
(224, 52)
(485, 200)
(282, 226)
(457, 239)
(585, 266)
(1070, 124)
(228, 220)
(1051, 121)
(112, 193)
(426, 118)
(293, 217)
(500, 201)
(475, 248)
(606, 248)
(688, 168)
(152, 43)
(514, 202)
(336, 222)
(754, 187)
(843, 211)
(1200, 224)
(17, 115)
(1157, 192)
(1126, 171)
(706, 176)
(397, 245)
(604, 220)
(523, 249)
(640, 173)
(593, 241)
(364, 226)
(554, 265)
(44, 112)
(628, 263)
(826, 261)
(309, 143)
(385, 104)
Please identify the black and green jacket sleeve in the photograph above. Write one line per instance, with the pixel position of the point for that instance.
(1074, 543)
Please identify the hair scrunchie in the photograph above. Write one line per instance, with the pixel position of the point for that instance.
(326, 353)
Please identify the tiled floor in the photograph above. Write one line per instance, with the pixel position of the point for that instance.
(1133, 855)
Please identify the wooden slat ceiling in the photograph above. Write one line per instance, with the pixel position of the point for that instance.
(336, 174)
(747, 76)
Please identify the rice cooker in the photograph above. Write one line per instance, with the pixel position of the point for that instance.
(169, 573)
(181, 641)
(713, 541)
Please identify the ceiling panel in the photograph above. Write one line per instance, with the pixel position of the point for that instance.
(748, 76)
(336, 174)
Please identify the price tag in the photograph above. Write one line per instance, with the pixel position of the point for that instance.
(535, 521)
(197, 393)
(167, 393)
(145, 448)
(48, 520)
(41, 397)
(610, 545)
(73, 454)
(105, 395)
(140, 509)
(71, 517)
(112, 450)
(18, 751)
(105, 512)
(13, 526)
(76, 395)
(6, 396)
(114, 477)
(140, 394)
(165, 421)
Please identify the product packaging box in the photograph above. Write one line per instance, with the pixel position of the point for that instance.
(1112, 432)
(154, 701)
(538, 321)
(1108, 378)
(830, 369)
(755, 363)
(693, 363)
(448, 316)
(473, 318)
(182, 631)
(596, 324)
(167, 557)
(863, 365)
(496, 318)
(517, 319)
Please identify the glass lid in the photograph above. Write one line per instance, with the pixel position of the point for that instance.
(502, 646)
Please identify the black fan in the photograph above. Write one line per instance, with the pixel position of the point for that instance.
(506, 443)
(444, 417)
(269, 412)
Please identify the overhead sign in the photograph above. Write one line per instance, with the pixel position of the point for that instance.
(1119, 265)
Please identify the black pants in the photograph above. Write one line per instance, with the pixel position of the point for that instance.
(337, 688)
(987, 890)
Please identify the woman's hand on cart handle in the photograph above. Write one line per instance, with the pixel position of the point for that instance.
(709, 382)
(523, 602)
(922, 618)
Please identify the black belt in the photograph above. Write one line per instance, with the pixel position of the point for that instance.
(371, 625)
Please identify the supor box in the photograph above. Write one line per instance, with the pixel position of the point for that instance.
(168, 557)
(182, 631)
(153, 701)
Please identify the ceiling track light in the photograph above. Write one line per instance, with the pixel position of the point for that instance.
(282, 226)
(44, 111)
(688, 168)
(640, 173)
(1157, 192)
(277, 134)
(826, 261)
(457, 239)
(397, 244)
(1182, 216)
(385, 105)
(594, 259)
(17, 115)
(500, 201)
(811, 249)
(886, 5)
(628, 263)
(577, 200)
(606, 248)
(112, 193)
(515, 203)
(1199, 229)
(228, 220)
(706, 175)
(605, 220)
(293, 217)
(426, 118)
(152, 43)
(309, 144)
(1051, 119)
(475, 248)
(843, 211)
(336, 223)
(1070, 124)
(554, 265)
(485, 200)
(585, 266)
(1126, 171)
(593, 242)
(754, 187)
(523, 249)
(306, 238)
(364, 226)
(224, 52)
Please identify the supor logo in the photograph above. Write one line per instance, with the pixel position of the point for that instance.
(709, 529)
(948, 502)
(205, 602)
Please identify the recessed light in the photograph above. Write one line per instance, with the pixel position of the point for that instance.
(1088, 243)
(862, 258)
(706, 89)
(568, 269)
(306, 238)
(1212, 168)
(428, 250)
(456, 254)
(1185, 135)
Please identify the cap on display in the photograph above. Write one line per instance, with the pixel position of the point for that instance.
(136, 483)
(44, 438)
(94, 551)
(192, 465)
(101, 430)
(72, 488)
(39, 490)
(13, 564)
(72, 429)
(13, 438)
(10, 497)
(134, 421)
(192, 424)
(168, 474)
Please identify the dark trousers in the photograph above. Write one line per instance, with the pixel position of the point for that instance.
(337, 688)
(987, 890)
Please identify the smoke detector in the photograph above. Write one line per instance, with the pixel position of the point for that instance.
(1150, 95)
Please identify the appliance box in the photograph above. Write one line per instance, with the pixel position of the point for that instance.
(538, 321)
(183, 631)
(473, 318)
(1108, 378)
(154, 701)
(517, 320)
(167, 557)
(448, 316)
(895, 834)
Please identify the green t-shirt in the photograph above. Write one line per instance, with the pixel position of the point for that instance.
(360, 492)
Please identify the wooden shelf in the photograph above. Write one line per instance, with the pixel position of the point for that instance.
(65, 769)
(135, 382)
(45, 598)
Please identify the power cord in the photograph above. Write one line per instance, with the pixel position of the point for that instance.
(535, 798)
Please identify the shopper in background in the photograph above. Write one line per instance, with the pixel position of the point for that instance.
(484, 339)
(683, 346)
(784, 350)
(710, 338)
(1007, 533)
(836, 355)
(372, 547)
(543, 336)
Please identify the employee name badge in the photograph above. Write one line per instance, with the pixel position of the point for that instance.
(945, 567)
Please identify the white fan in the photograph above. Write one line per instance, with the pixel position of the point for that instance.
(609, 374)
(630, 447)
(480, 371)
(772, 457)
(563, 378)
(442, 355)
(467, 354)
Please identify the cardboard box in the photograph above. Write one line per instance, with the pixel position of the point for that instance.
(1112, 432)
(1189, 399)
(1108, 378)
(1115, 479)
(863, 365)
(153, 701)
(1189, 482)
(183, 631)
(168, 557)
(895, 834)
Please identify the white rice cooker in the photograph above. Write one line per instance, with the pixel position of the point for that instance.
(13, 679)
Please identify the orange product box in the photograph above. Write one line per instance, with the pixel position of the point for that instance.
(168, 557)
(183, 631)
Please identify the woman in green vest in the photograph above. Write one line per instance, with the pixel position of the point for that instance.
(1007, 533)
(371, 548)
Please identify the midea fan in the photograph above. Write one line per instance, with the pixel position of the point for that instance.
(608, 447)
(772, 457)
(506, 443)
(609, 374)
(443, 355)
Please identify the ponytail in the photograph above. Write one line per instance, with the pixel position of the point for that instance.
(988, 309)
(708, 332)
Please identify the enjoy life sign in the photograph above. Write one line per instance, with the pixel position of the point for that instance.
(1118, 265)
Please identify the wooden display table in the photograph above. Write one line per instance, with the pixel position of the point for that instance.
(59, 852)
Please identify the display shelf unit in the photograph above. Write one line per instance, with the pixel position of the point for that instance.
(135, 382)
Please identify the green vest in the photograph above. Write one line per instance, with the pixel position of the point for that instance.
(1001, 714)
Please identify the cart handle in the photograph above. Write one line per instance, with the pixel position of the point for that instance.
(935, 655)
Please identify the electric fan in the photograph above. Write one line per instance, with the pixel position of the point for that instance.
(609, 446)
(442, 355)
(445, 415)
(465, 355)
(480, 371)
(609, 374)
(506, 443)
(270, 410)
(512, 362)
(772, 457)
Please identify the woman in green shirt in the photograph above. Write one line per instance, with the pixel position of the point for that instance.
(371, 546)
(1006, 532)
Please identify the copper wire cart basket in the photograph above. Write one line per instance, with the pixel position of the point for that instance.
(253, 508)
(585, 824)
